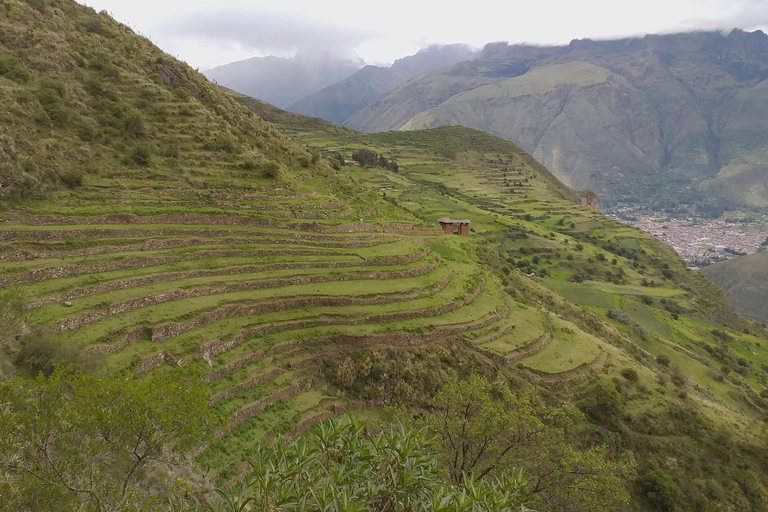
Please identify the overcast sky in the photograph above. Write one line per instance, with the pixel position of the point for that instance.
(208, 33)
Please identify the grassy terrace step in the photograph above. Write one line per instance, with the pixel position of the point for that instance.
(313, 332)
(252, 307)
(569, 349)
(390, 311)
(274, 421)
(529, 327)
(163, 281)
(208, 299)
(255, 345)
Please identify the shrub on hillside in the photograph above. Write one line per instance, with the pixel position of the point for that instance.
(134, 124)
(141, 155)
(92, 24)
(658, 489)
(223, 144)
(630, 374)
(270, 170)
(40, 352)
(14, 70)
(624, 318)
(39, 5)
(602, 403)
(72, 178)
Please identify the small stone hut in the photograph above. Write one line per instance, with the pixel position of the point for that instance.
(455, 226)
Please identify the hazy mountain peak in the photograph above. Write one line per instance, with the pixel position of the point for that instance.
(281, 80)
(337, 102)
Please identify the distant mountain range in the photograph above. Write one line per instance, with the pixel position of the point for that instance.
(339, 101)
(282, 81)
(663, 120)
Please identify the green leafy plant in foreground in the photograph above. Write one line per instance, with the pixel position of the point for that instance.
(340, 466)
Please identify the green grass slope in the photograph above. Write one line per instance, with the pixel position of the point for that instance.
(588, 299)
(745, 281)
(81, 95)
(299, 291)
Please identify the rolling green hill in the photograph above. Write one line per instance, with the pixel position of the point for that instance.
(663, 120)
(216, 233)
(744, 282)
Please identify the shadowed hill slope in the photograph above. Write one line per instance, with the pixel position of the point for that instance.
(745, 281)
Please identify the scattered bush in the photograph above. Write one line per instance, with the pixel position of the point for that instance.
(630, 374)
(658, 489)
(40, 352)
(12, 69)
(104, 65)
(134, 124)
(249, 165)
(270, 170)
(72, 178)
(602, 404)
(39, 5)
(141, 155)
(92, 24)
(223, 144)
(624, 318)
(663, 360)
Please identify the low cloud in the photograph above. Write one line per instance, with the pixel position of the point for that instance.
(267, 32)
(743, 14)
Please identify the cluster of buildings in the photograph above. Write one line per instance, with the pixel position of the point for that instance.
(703, 242)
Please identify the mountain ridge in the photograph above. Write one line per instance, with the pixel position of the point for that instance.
(282, 80)
(339, 101)
(689, 114)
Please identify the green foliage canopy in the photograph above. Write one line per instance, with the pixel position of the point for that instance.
(74, 441)
(484, 430)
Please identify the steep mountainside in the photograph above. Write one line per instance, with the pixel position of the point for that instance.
(745, 281)
(656, 116)
(337, 102)
(162, 225)
(81, 98)
(282, 81)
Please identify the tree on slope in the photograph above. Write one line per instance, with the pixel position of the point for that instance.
(484, 430)
(74, 441)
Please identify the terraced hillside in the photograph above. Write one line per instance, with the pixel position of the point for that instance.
(590, 300)
(254, 288)
(193, 233)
